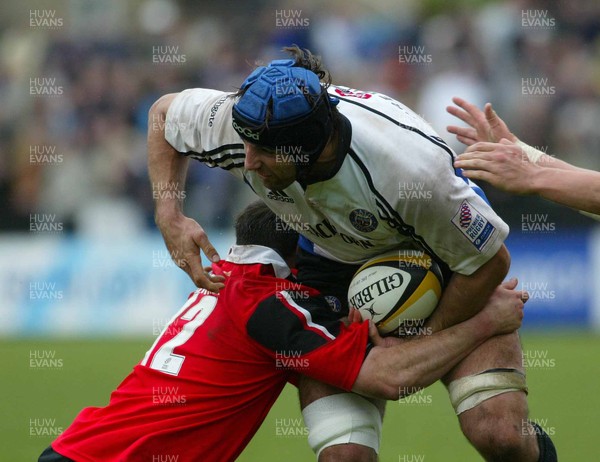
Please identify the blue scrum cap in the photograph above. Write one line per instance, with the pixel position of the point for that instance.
(285, 105)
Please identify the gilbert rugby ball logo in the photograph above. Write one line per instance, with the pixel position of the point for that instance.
(374, 285)
(371, 311)
(473, 225)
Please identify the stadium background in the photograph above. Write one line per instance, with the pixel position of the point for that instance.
(85, 280)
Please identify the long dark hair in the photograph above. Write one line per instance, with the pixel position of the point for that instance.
(306, 59)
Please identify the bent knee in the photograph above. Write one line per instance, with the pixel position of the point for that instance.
(502, 442)
(498, 427)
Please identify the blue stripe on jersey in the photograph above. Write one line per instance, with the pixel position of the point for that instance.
(472, 185)
(307, 245)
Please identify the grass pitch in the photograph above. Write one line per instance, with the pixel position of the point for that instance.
(46, 382)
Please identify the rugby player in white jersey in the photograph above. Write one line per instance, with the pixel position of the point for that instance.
(333, 162)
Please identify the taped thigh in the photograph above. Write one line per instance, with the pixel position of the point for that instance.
(470, 391)
(342, 419)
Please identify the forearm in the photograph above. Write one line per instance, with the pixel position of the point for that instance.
(579, 188)
(167, 168)
(411, 365)
(554, 162)
(535, 156)
(542, 159)
(465, 296)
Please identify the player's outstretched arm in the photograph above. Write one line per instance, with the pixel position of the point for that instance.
(487, 126)
(393, 371)
(579, 188)
(504, 166)
(483, 125)
(167, 169)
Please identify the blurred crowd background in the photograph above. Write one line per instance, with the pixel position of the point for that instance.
(77, 78)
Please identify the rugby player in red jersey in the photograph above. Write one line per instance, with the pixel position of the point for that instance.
(208, 381)
(342, 166)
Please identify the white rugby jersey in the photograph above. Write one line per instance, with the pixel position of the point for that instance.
(396, 188)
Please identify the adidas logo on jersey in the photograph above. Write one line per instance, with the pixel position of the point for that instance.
(279, 196)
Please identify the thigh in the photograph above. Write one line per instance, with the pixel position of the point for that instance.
(507, 410)
(342, 425)
(498, 351)
(310, 390)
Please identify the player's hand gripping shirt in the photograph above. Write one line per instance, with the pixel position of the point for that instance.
(210, 378)
(396, 187)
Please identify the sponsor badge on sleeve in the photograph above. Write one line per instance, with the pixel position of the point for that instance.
(473, 225)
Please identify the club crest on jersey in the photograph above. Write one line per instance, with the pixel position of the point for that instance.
(334, 303)
(279, 196)
(363, 220)
(473, 225)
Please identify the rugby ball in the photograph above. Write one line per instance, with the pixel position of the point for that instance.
(397, 288)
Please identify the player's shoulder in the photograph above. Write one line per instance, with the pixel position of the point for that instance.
(293, 317)
(286, 295)
(199, 121)
(373, 105)
(387, 127)
(289, 291)
(202, 102)
(202, 94)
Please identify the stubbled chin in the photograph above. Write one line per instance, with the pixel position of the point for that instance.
(275, 184)
(267, 182)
